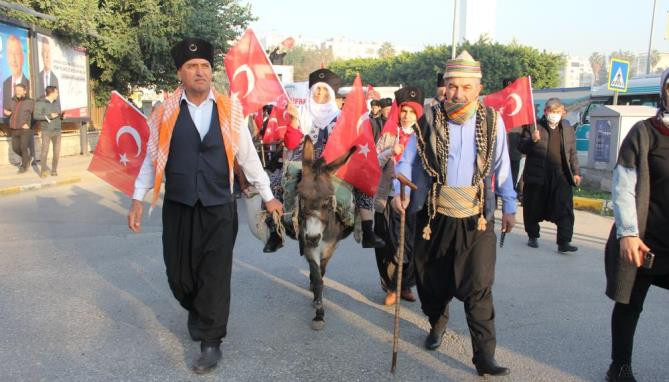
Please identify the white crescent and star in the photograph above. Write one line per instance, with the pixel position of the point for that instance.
(138, 141)
(364, 149)
(251, 81)
(519, 104)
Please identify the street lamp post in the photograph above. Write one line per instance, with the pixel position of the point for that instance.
(455, 28)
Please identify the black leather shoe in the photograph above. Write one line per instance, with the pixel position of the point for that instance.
(562, 248)
(433, 340)
(533, 242)
(208, 359)
(370, 240)
(488, 366)
(620, 373)
(274, 242)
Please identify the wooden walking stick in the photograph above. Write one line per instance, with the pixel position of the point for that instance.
(400, 266)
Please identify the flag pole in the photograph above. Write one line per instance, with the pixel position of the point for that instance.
(534, 112)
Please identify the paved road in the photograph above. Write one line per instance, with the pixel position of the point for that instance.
(82, 299)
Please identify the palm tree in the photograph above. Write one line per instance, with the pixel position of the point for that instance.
(596, 63)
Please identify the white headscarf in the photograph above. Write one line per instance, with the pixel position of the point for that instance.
(315, 116)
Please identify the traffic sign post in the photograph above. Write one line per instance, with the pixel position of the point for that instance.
(619, 72)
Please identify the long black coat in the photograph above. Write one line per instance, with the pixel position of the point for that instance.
(535, 161)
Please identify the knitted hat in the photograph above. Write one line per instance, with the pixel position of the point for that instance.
(463, 66)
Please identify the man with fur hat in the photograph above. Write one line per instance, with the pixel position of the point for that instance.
(196, 138)
(452, 162)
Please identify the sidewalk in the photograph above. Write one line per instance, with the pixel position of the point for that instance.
(71, 169)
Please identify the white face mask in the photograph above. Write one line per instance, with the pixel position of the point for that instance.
(665, 118)
(554, 118)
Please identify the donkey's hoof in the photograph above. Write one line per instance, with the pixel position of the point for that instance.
(317, 323)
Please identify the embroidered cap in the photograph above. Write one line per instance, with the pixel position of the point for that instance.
(463, 66)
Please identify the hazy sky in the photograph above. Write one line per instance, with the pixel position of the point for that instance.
(575, 27)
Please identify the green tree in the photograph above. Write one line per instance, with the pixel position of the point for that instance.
(305, 60)
(386, 50)
(627, 56)
(419, 68)
(128, 42)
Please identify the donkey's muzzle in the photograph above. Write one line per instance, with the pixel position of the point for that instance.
(311, 241)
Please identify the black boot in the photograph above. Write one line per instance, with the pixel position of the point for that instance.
(369, 238)
(275, 241)
(566, 247)
(208, 359)
(620, 373)
(533, 242)
(433, 340)
(487, 366)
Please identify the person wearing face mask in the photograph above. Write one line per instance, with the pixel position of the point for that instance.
(551, 170)
(316, 119)
(640, 205)
(454, 162)
(390, 146)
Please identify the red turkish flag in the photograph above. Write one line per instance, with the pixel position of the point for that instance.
(251, 75)
(274, 132)
(288, 43)
(514, 103)
(353, 129)
(121, 148)
(371, 93)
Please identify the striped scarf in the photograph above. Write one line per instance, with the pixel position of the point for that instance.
(459, 113)
(161, 125)
(437, 147)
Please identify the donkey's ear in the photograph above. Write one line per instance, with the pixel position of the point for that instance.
(307, 151)
(335, 164)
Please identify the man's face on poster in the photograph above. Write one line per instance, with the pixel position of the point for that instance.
(14, 55)
(46, 55)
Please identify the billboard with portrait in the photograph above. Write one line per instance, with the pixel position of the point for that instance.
(64, 67)
(14, 61)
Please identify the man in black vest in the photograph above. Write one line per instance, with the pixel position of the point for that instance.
(199, 211)
(551, 170)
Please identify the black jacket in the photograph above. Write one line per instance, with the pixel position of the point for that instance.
(536, 153)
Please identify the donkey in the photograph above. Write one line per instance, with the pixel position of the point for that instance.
(319, 228)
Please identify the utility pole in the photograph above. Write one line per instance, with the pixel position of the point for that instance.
(650, 40)
(455, 28)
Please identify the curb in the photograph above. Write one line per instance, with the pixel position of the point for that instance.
(36, 186)
(599, 206)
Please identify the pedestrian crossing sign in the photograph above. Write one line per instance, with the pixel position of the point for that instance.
(619, 75)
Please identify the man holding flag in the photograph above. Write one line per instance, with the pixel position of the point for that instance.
(196, 137)
(551, 170)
